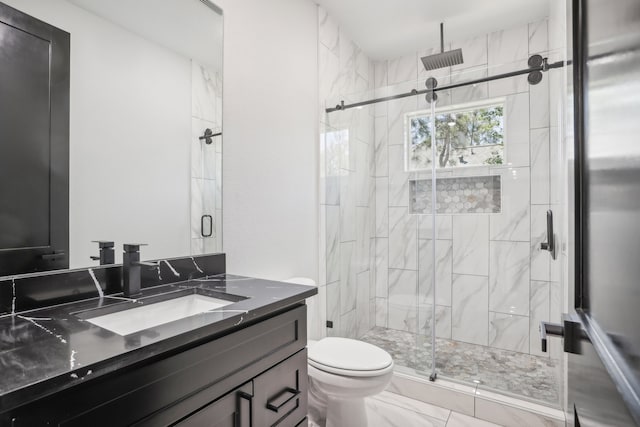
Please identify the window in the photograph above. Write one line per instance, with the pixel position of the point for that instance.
(465, 136)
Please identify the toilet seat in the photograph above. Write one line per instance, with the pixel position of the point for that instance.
(347, 357)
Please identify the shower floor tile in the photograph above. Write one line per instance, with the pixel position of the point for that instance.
(533, 377)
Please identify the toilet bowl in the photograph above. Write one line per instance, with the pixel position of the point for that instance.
(342, 372)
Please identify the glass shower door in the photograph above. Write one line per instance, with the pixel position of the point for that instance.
(493, 283)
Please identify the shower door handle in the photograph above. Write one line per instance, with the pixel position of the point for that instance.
(547, 328)
(203, 219)
(570, 330)
(550, 244)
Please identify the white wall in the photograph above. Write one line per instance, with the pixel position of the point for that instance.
(130, 134)
(270, 138)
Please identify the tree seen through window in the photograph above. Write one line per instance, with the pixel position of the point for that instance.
(469, 137)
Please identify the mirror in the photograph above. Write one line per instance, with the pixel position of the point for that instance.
(145, 146)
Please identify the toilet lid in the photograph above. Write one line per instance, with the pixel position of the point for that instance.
(349, 355)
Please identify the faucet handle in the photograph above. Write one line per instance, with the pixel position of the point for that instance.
(104, 243)
(133, 247)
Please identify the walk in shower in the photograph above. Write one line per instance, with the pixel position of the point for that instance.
(454, 289)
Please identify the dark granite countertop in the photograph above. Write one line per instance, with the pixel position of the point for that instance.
(49, 349)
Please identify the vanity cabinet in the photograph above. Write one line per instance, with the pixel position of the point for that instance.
(274, 397)
(253, 375)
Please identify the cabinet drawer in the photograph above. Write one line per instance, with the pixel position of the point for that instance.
(231, 410)
(280, 394)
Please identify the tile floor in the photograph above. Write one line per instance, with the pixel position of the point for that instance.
(392, 410)
(522, 374)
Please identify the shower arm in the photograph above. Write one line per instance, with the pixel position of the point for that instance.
(545, 66)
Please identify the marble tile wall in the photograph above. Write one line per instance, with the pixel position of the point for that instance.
(347, 187)
(206, 160)
(493, 283)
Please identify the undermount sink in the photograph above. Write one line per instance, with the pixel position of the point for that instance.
(137, 319)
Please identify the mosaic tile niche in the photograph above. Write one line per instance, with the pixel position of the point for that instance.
(459, 195)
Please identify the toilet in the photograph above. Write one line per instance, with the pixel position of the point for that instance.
(342, 372)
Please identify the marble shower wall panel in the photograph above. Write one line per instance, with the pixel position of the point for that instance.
(363, 179)
(382, 207)
(347, 206)
(509, 277)
(398, 178)
(539, 104)
(508, 50)
(347, 183)
(470, 311)
(403, 69)
(513, 223)
(363, 239)
(444, 254)
(509, 332)
(381, 312)
(403, 306)
(348, 276)
(475, 52)
(331, 155)
(538, 37)
(475, 92)
(363, 304)
(397, 109)
(540, 166)
(443, 321)
(382, 268)
(381, 143)
(471, 244)
(443, 227)
(517, 129)
(328, 32)
(332, 242)
(403, 238)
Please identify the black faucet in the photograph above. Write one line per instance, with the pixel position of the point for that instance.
(107, 253)
(131, 269)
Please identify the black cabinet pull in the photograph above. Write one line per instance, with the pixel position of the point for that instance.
(282, 399)
(202, 221)
(243, 410)
(53, 256)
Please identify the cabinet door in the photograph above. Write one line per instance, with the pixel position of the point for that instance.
(34, 144)
(231, 410)
(280, 394)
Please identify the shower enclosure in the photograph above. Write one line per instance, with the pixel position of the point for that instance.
(454, 289)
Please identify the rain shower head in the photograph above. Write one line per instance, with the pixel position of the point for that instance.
(442, 59)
